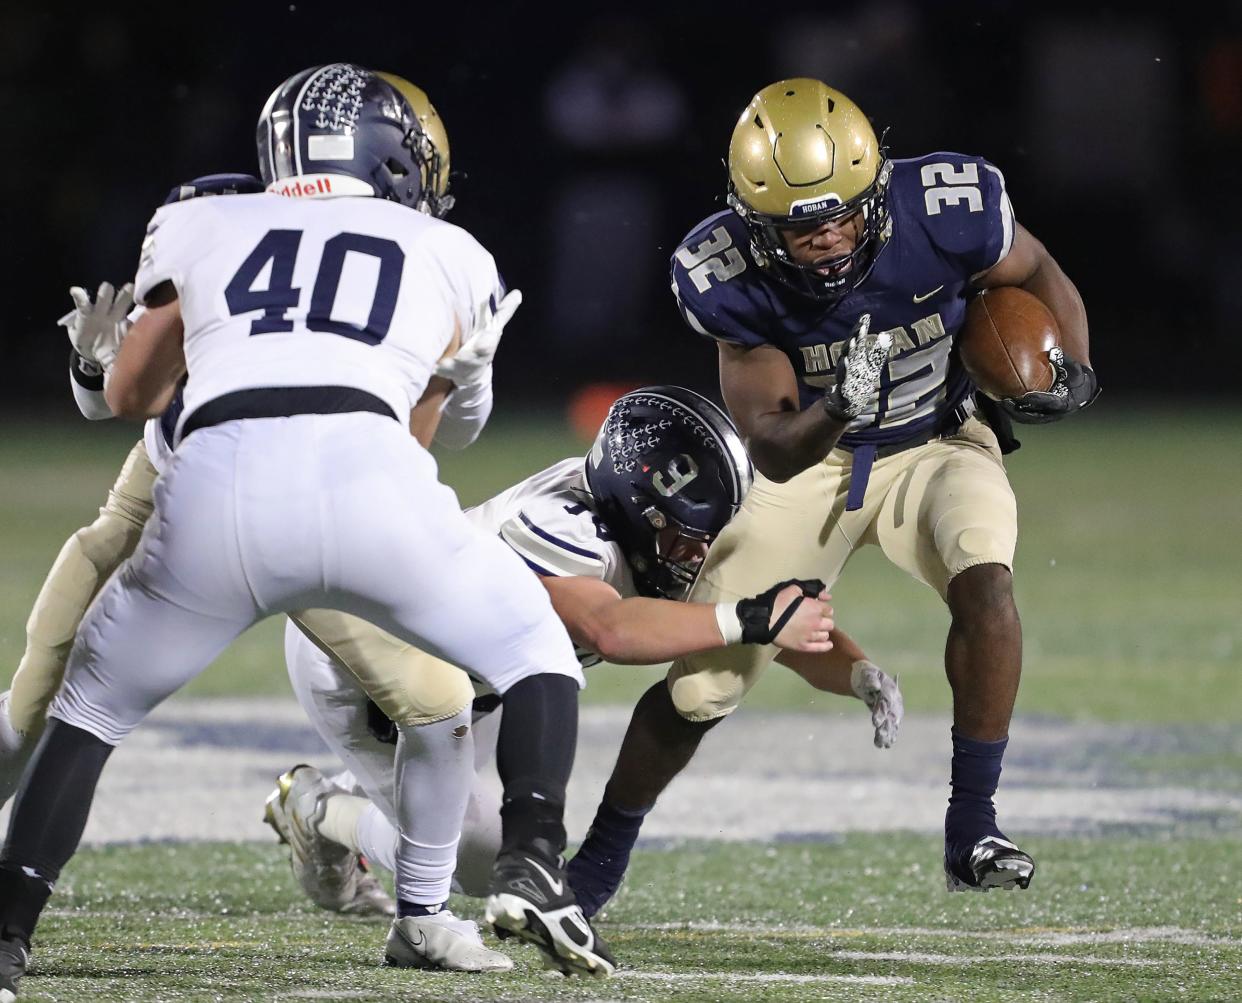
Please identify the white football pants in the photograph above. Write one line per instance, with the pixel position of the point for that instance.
(264, 516)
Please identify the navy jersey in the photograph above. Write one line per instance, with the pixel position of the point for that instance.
(951, 220)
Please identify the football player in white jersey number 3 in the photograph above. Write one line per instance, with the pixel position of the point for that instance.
(616, 540)
(309, 329)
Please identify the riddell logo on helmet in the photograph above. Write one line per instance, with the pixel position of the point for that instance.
(319, 186)
(308, 185)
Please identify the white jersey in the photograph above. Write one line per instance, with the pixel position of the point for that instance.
(340, 292)
(549, 520)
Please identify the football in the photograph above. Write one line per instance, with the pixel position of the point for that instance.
(1004, 342)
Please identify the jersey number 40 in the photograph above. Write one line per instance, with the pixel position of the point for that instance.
(280, 247)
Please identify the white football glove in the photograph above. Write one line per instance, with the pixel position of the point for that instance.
(858, 371)
(97, 329)
(471, 366)
(879, 691)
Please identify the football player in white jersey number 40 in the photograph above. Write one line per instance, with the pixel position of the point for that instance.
(616, 540)
(309, 329)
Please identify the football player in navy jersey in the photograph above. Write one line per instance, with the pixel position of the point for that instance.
(825, 238)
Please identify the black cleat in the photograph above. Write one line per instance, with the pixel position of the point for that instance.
(530, 898)
(14, 956)
(993, 862)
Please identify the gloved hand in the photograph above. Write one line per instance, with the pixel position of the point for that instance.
(858, 371)
(1074, 388)
(755, 614)
(471, 366)
(879, 691)
(97, 329)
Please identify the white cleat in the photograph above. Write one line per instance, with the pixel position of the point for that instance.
(331, 875)
(441, 940)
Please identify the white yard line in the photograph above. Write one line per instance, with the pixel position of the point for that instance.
(922, 958)
(712, 976)
(1035, 937)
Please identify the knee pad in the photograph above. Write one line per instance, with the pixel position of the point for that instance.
(705, 696)
(421, 689)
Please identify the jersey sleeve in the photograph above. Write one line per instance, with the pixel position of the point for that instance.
(475, 288)
(164, 250)
(559, 540)
(967, 210)
(713, 283)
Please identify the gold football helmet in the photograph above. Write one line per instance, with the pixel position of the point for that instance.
(804, 154)
(433, 146)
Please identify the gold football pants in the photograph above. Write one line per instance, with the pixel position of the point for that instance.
(935, 510)
(85, 562)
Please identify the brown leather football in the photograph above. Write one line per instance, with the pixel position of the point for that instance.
(1004, 342)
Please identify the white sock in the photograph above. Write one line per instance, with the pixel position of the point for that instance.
(434, 773)
(376, 837)
(340, 819)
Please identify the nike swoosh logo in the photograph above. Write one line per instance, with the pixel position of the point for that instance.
(926, 296)
(557, 886)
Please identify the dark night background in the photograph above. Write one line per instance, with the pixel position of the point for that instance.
(592, 140)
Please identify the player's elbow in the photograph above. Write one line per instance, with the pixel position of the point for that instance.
(773, 465)
(608, 638)
(125, 399)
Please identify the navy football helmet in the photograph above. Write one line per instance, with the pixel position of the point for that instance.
(666, 458)
(342, 119)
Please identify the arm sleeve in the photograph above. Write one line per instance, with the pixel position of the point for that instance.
(464, 414)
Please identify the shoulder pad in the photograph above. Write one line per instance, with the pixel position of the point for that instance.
(717, 283)
(961, 204)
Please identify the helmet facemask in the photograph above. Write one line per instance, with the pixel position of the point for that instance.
(664, 570)
(845, 272)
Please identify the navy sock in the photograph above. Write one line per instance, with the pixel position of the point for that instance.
(407, 908)
(597, 868)
(975, 775)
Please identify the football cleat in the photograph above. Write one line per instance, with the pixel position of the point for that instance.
(332, 876)
(441, 940)
(530, 898)
(14, 956)
(993, 862)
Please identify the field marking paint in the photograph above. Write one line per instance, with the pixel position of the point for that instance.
(920, 958)
(700, 976)
(1035, 936)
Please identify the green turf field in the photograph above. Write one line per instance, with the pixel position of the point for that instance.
(1127, 568)
(1127, 580)
(864, 919)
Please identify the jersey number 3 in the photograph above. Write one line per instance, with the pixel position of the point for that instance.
(280, 248)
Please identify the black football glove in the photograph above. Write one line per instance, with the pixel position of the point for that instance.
(755, 614)
(1074, 388)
